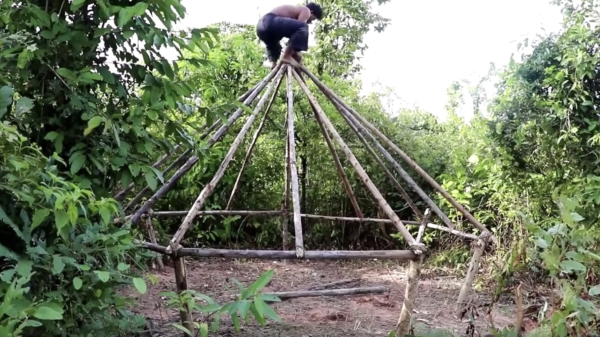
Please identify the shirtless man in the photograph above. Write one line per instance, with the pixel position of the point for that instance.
(291, 22)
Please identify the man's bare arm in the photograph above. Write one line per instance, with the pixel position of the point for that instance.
(304, 14)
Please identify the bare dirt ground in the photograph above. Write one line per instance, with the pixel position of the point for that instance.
(368, 315)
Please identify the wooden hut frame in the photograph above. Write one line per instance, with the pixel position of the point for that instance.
(366, 133)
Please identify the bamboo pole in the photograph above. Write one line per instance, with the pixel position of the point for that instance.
(152, 237)
(136, 200)
(287, 295)
(412, 284)
(314, 216)
(194, 159)
(463, 297)
(251, 146)
(387, 172)
(359, 169)
(338, 164)
(181, 282)
(209, 188)
(286, 197)
(293, 167)
(401, 153)
(410, 295)
(121, 194)
(356, 124)
(402, 255)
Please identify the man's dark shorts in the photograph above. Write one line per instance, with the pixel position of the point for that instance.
(272, 28)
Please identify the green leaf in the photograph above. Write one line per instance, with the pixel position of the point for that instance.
(595, 290)
(6, 98)
(122, 266)
(569, 265)
(182, 328)
(57, 264)
(90, 77)
(203, 327)
(38, 217)
(105, 214)
(151, 180)
(270, 298)
(77, 4)
(61, 219)
(102, 275)
(541, 243)
(23, 105)
(107, 75)
(270, 313)
(78, 160)
(48, 311)
(128, 34)
(66, 73)
(259, 317)
(77, 283)
(93, 123)
(261, 282)
(24, 268)
(140, 285)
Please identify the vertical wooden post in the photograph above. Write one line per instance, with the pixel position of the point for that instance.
(412, 284)
(286, 198)
(152, 237)
(478, 248)
(181, 283)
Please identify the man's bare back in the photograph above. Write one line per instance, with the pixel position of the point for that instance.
(292, 12)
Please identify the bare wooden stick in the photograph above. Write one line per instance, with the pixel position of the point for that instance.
(194, 159)
(356, 124)
(314, 216)
(121, 194)
(293, 167)
(387, 172)
(410, 295)
(136, 200)
(401, 153)
(152, 237)
(181, 283)
(478, 247)
(287, 295)
(423, 225)
(286, 197)
(251, 146)
(402, 255)
(334, 284)
(209, 188)
(359, 169)
(338, 164)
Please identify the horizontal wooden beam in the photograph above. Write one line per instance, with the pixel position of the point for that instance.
(321, 217)
(286, 295)
(403, 255)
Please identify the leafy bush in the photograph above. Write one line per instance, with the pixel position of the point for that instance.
(62, 258)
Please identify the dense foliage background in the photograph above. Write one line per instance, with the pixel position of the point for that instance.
(88, 103)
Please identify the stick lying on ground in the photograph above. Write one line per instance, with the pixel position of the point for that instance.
(333, 284)
(286, 295)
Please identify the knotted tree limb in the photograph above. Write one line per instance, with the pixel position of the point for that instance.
(338, 164)
(194, 159)
(287, 295)
(209, 188)
(251, 146)
(359, 169)
(396, 149)
(293, 168)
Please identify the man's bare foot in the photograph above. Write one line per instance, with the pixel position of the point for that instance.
(297, 57)
(290, 61)
(273, 65)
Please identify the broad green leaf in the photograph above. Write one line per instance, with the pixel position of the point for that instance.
(38, 217)
(24, 268)
(140, 285)
(102, 275)
(203, 327)
(77, 283)
(122, 266)
(91, 77)
(182, 328)
(261, 282)
(48, 311)
(595, 290)
(66, 73)
(151, 180)
(78, 162)
(93, 123)
(76, 4)
(569, 265)
(270, 313)
(106, 215)
(57, 264)
(23, 105)
(541, 243)
(61, 219)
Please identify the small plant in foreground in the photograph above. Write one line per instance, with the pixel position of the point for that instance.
(249, 300)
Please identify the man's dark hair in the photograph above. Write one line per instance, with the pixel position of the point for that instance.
(316, 10)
